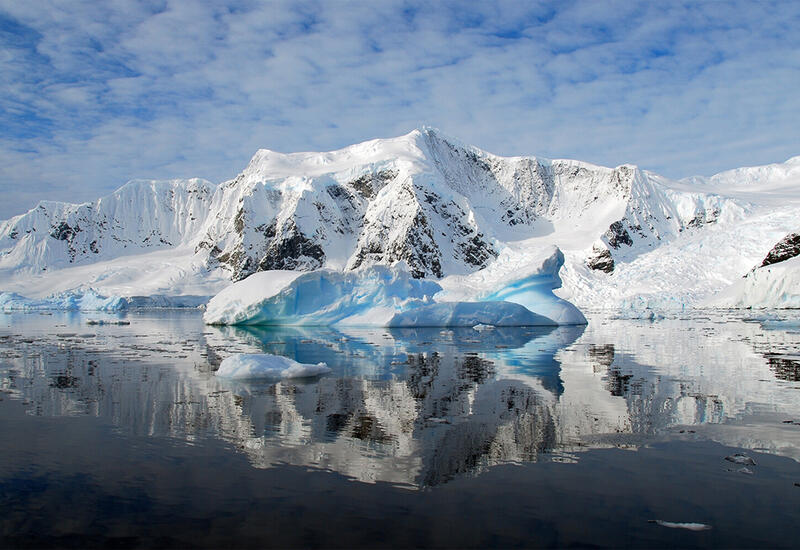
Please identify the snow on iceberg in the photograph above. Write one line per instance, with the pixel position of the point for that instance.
(244, 366)
(65, 301)
(469, 314)
(370, 296)
(772, 286)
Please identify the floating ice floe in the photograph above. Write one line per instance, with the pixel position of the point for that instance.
(107, 322)
(679, 525)
(389, 296)
(741, 458)
(244, 366)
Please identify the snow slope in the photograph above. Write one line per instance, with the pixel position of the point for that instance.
(450, 211)
(138, 217)
(773, 284)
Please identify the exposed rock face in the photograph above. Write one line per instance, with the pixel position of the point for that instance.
(617, 235)
(787, 248)
(601, 260)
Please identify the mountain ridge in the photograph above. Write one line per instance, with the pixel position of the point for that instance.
(443, 207)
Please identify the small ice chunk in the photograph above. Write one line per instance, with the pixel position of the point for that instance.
(481, 327)
(243, 366)
(107, 322)
(678, 525)
(741, 458)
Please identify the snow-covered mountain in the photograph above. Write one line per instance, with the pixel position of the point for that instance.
(443, 207)
(139, 216)
(447, 209)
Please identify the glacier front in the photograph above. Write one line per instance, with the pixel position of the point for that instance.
(88, 300)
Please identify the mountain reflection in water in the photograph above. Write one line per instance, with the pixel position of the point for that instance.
(415, 407)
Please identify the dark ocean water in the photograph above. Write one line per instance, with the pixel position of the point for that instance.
(615, 434)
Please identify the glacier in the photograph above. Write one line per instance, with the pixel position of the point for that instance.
(772, 286)
(89, 300)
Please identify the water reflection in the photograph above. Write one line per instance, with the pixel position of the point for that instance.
(417, 407)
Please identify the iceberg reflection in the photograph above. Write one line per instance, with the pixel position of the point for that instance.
(417, 407)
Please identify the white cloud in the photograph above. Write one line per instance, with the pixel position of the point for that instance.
(97, 93)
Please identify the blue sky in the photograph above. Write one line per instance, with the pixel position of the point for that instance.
(96, 93)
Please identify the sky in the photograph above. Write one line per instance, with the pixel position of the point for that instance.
(93, 94)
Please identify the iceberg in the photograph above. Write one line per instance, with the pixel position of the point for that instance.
(383, 296)
(247, 366)
(536, 293)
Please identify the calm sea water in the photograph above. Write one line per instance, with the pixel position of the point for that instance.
(605, 435)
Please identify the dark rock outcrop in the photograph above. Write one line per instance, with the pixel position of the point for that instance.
(787, 248)
(617, 235)
(601, 260)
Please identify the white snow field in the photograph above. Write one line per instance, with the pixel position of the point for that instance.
(248, 366)
(477, 223)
